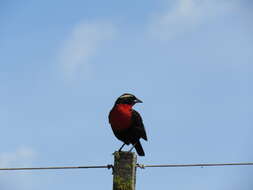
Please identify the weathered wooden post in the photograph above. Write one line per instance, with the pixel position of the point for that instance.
(124, 173)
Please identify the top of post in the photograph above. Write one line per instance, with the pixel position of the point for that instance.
(124, 170)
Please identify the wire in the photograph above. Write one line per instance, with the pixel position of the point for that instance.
(142, 166)
(59, 168)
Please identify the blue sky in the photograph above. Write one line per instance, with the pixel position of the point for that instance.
(63, 64)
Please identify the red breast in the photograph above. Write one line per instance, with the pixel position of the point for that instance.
(120, 116)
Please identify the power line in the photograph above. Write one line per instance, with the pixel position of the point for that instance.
(58, 168)
(142, 166)
(193, 165)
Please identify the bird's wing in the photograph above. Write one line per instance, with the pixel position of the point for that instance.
(138, 125)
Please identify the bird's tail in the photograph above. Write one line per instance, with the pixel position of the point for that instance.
(139, 148)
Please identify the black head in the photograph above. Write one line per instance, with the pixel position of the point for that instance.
(127, 99)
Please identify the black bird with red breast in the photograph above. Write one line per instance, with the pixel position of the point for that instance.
(126, 123)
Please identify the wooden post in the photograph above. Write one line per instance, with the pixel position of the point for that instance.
(124, 173)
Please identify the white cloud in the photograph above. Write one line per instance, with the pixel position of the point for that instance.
(22, 157)
(186, 15)
(82, 44)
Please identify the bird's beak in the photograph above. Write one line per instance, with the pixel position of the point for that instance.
(137, 100)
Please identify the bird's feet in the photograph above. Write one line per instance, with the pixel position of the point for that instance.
(131, 148)
(121, 147)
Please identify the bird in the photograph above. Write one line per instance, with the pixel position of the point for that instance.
(127, 124)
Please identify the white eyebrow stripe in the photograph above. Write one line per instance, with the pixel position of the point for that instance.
(126, 96)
